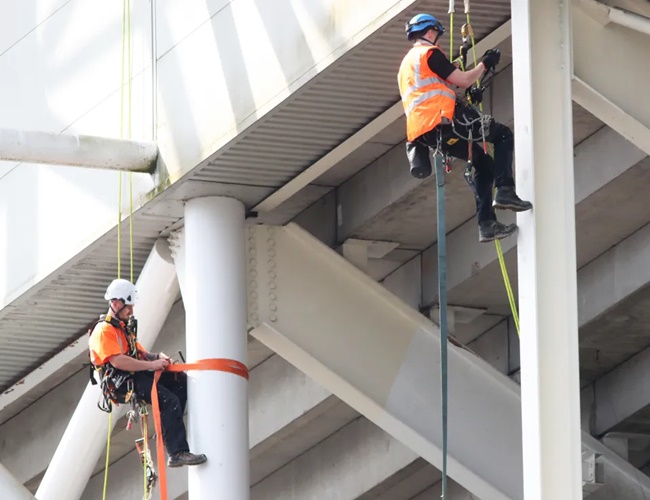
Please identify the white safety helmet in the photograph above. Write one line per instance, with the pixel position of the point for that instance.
(123, 290)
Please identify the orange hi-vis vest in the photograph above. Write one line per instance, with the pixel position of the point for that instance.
(109, 338)
(426, 97)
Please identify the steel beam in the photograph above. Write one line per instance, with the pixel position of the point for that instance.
(373, 351)
(608, 112)
(621, 393)
(603, 93)
(345, 465)
(606, 14)
(379, 356)
(77, 150)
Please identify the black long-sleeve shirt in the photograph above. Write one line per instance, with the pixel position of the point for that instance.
(440, 65)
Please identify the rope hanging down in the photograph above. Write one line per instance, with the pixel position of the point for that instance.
(467, 35)
(438, 158)
(125, 82)
(442, 299)
(502, 264)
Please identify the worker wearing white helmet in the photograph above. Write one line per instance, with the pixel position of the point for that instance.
(125, 366)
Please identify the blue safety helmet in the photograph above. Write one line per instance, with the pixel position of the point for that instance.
(423, 22)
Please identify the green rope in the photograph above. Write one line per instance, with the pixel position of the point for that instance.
(442, 302)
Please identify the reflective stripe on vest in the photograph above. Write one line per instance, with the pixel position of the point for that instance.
(428, 98)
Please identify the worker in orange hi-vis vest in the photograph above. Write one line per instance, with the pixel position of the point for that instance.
(126, 369)
(435, 117)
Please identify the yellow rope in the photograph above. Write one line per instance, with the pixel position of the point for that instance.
(126, 55)
(108, 447)
(119, 191)
(497, 243)
(129, 65)
(126, 49)
(506, 281)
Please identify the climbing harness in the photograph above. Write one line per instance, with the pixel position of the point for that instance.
(110, 378)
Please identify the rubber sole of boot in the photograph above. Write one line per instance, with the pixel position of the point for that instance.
(483, 239)
(514, 208)
(197, 461)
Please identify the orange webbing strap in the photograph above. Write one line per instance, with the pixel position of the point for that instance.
(224, 365)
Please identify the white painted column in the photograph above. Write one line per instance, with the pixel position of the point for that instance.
(10, 487)
(214, 296)
(550, 396)
(84, 440)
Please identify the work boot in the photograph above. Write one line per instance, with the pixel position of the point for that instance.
(185, 458)
(506, 199)
(493, 230)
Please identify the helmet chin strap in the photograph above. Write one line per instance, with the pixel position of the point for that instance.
(116, 313)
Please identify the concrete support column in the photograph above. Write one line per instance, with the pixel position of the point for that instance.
(550, 395)
(214, 294)
(11, 488)
(84, 439)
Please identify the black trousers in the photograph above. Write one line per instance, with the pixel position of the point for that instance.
(172, 397)
(488, 172)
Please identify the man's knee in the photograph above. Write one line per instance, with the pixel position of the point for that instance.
(503, 134)
(179, 382)
(176, 383)
(169, 402)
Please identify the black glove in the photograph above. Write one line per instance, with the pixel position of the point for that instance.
(491, 58)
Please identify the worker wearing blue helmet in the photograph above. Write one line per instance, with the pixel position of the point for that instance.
(434, 115)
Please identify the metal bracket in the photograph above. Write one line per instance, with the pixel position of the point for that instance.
(358, 252)
(593, 473)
